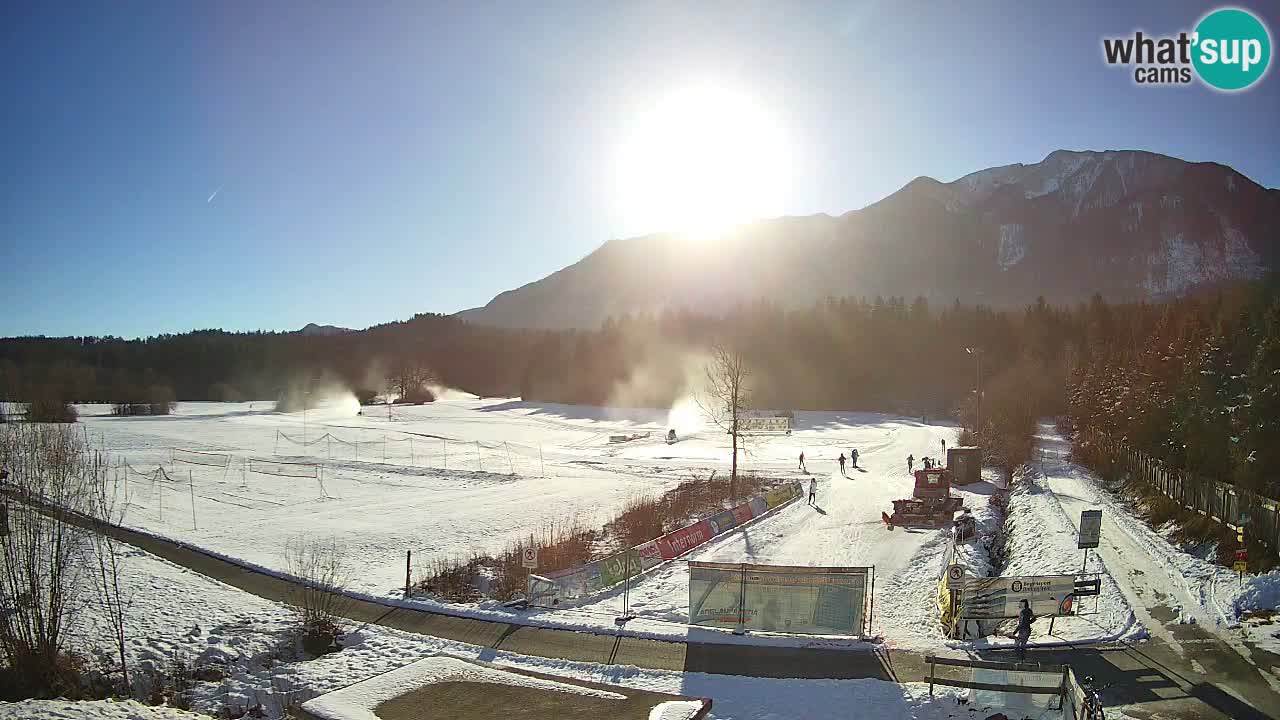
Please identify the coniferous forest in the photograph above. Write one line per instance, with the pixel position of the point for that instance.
(1195, 380)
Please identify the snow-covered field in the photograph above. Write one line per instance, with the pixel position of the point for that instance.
(472, 474)
(460, 475)
(175, 610)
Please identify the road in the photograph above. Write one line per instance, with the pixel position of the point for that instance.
(1183, 670)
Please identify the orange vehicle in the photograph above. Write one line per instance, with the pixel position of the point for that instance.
(931, 503)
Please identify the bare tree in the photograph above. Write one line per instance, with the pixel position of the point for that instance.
(726, 398)
(42, 573)
(108, 557)
(407, 377)
(318, 599)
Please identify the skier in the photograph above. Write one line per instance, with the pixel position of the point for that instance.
(1023, 633)
(802, 467)
(944, 447)
(842, 463)
(813, 492)
(911, 464)
(853, 455)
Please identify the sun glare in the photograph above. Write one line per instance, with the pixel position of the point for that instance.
(701, 160)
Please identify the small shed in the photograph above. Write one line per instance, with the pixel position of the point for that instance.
(965, 464)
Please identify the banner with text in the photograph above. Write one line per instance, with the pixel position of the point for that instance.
(779, 598)
(1001, 597)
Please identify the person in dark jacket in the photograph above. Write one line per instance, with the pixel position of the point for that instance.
(842, 463)
(1023, 633)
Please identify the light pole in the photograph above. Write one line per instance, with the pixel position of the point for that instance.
(306, 400)
(977, 388)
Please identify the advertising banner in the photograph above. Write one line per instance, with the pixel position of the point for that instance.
(715, 594)
(615, 568)
(600, 574)
(650, 555)
(777, 496)
(1001, 597)
(779, 598)
(721, 521)
(764, 424)
(678, 542)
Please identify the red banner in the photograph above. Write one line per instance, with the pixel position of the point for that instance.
(742, 513)
(678, 542)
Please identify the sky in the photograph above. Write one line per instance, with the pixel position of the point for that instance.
(167, 165)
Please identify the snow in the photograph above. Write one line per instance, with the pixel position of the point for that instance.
(1152, 571)
(675, 710)
(1013, 245)
(179, 611)
(358, 701)
(96, 710)
(378, 509)
(1042, 541)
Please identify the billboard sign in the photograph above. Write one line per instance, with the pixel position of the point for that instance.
(1090, 528)
(764, 424)
(779, 598)
(1001, 597)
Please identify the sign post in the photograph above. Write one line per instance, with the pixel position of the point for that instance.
(1242, 553)
(955, 585)
(1090, 533)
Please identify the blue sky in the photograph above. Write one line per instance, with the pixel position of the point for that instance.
(392, 158)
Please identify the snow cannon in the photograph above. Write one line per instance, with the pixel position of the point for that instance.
(931, 503)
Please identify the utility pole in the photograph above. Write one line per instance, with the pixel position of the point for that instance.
(977, 387)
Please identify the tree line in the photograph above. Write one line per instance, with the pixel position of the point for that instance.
(1194, 382)
(1191, 380)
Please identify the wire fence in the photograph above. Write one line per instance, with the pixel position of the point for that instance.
(427, 451)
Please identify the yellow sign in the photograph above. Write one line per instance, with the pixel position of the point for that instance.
(1241, 566)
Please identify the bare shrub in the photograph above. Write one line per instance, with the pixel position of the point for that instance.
(318, 600)
(561, 544)
(43, 574)
(570, 543)
(48, 404)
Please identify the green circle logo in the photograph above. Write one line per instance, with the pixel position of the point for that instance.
(1232, 49)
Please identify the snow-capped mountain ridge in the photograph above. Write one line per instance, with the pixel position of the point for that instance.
(1126, 224)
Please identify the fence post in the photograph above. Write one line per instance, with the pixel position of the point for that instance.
(510, 465)
(408, 555)
(192, 485)
(541, 465)
(479, 457)
(932, 672)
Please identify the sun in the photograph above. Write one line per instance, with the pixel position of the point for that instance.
(701, 160)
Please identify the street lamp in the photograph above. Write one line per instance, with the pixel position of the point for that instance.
(977, 387)
(306, 400)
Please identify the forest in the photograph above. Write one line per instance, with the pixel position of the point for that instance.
(1193, 380)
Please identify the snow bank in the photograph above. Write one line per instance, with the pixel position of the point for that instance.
(95, 710)
(358, 701)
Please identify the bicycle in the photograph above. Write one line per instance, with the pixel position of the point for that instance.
(1092, 708)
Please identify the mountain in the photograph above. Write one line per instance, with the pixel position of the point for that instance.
(1126, 224)
(314, 329)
